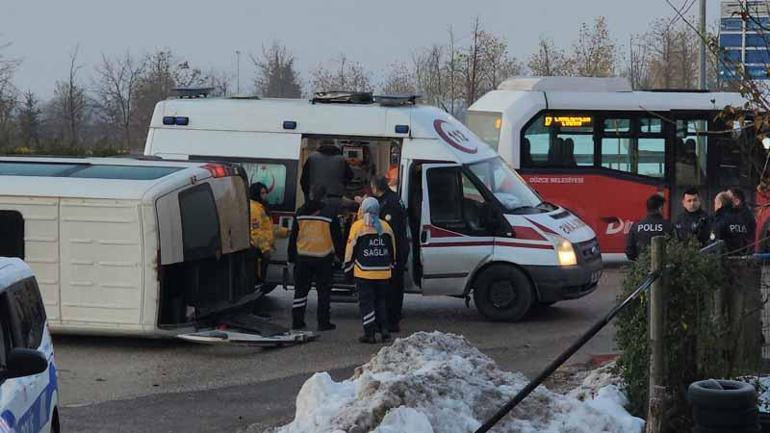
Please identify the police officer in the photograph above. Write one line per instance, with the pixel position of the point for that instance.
(653, 225)
(393, 212)
(326, 167)
(314, 239)
(728, 225)
(694, 221)
(744, 211)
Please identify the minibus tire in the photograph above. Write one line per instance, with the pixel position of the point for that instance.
(503, 293)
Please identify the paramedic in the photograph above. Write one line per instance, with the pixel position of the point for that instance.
(370, 255)
(315, 237)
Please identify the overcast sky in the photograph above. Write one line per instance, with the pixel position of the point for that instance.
(44, 32)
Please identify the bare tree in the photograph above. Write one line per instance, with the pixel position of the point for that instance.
(595, 53)
(276, 76)
(69, 104)
(8, 98)
(116, 87)
(400, 80)
(341, 74)
(220, 81)
(548, 60)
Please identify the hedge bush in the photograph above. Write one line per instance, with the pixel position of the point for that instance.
(692, 338)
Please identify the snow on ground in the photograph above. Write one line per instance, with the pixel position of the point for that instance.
(439, 383)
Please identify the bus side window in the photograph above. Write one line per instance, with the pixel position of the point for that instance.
(551, 141)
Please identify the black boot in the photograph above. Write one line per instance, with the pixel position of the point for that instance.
(328, 326)
(368, 339)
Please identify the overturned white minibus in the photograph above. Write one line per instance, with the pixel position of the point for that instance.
(129, 247)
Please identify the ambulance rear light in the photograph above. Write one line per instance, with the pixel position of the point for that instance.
(289, 124)
(219, 170)
(402, 129)
(176, 120)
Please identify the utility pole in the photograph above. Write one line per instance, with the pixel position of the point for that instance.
(702, 52)
(658, 393)
(237, 72)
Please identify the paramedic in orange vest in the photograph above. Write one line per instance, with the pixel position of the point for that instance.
(315, 237)
(370, 255)
(263, 231)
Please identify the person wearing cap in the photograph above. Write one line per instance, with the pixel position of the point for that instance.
(370, 256)
(314, 240)
(327, 167)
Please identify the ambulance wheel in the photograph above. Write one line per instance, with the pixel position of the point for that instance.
(503, 293)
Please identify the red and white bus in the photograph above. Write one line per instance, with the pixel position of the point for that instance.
(598, 148)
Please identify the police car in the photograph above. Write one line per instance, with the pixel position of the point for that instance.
(28, 387)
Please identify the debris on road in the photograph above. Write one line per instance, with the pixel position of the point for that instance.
(439, 383)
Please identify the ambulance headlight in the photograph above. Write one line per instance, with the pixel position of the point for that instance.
(564, 251)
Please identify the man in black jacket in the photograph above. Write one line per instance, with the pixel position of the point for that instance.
(653, 225)
(729, 226)
(315, 239)
(393, 212)
(694, 221)
(744, 212)
(326, 166)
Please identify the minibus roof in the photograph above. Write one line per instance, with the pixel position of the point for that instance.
(109, 178)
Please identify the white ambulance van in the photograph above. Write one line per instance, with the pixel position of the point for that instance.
(145, 248)
(476, 228)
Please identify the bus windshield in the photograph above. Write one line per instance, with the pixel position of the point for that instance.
(506, 185)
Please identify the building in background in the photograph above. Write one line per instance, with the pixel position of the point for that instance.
(744, 38)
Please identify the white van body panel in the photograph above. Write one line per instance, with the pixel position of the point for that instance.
(93, 244)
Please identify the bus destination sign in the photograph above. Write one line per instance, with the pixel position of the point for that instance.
(568, 121)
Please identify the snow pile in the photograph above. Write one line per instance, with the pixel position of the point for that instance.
(439, 383)
(595, 381)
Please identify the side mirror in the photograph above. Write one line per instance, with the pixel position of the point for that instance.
(24, 362)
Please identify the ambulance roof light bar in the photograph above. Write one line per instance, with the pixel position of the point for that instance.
(191, 92)
(396, 100)
(342, 97)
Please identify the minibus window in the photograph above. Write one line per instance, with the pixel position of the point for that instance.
(11, 234)
(558, 141)
(486, 125)
(200, 223)
(273, 176)
(27, 308)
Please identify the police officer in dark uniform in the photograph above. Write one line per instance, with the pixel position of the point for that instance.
(653, 225)
(744, 211)
(694, 221)
(393, 212)
(728, 226)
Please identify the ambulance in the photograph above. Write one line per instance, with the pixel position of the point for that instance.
(476, 229)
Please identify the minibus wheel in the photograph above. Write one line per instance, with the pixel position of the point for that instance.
(503, 293)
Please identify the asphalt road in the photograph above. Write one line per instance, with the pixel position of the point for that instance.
(133, 385)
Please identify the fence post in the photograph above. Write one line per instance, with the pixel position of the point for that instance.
(657, 390)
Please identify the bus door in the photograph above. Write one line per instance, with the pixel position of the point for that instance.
(693, 160)
(454, 238)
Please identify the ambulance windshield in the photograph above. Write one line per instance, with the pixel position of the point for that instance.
(507, 186)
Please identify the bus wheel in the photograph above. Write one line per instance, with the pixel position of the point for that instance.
(503, 293)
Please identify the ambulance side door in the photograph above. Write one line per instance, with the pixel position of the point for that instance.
(454, 239)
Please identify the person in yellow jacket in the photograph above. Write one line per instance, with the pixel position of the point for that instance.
(263, 231)
(370, 255)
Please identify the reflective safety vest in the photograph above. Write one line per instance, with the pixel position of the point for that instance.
(368, 255)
